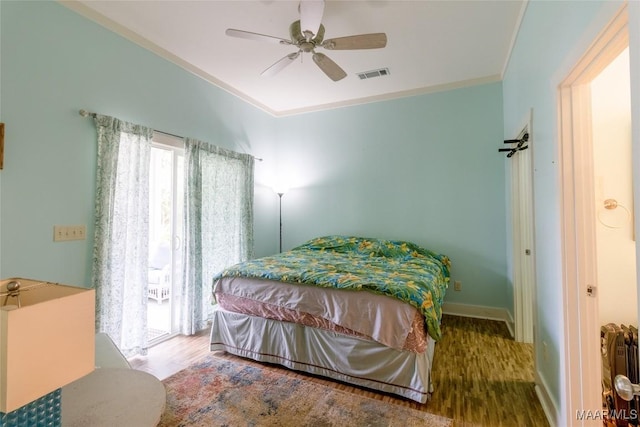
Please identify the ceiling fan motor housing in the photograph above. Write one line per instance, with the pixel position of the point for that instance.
(300, 40)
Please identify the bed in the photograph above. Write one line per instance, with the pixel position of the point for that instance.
(359, 310)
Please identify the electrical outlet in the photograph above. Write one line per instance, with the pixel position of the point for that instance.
(63, 233)
(457, 285)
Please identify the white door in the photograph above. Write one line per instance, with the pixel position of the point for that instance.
(523, 250)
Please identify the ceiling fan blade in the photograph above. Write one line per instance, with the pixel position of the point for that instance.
(255, 36)
(330, 68)
(311, 12)
(361, 41)
(280, 64)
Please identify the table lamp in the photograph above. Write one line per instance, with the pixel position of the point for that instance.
(47, 340)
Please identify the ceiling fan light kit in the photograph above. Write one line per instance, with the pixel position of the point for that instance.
(307, 34)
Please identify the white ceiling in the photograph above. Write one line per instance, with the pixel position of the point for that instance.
(432, 45)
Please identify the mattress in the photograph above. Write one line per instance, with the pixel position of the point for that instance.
(359, 310)
(362, 314)
(393, 270)
(353, 360)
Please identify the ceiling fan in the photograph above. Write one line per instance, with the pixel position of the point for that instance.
(307, 34)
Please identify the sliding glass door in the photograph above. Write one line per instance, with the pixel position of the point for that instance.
(166, 201)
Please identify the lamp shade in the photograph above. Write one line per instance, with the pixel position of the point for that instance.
(47, 339)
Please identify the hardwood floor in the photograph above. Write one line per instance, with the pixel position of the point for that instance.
(173, 355)
(481, 376)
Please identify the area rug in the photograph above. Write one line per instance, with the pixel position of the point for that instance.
(222, 392)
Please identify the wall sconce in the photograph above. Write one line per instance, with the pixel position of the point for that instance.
(47, 340)
(280, 190)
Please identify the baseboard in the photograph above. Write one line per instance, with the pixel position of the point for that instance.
(480, 312)
(548, 405)
(511, 325)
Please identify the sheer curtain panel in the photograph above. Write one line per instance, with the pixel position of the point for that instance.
(218, 223)
(120, 257)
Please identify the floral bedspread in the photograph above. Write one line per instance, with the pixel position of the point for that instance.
(399, 269)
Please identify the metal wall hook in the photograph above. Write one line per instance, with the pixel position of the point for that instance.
(519, 147)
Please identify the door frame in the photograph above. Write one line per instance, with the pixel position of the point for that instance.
(581, 379)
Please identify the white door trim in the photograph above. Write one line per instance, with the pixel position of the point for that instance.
(582, 363)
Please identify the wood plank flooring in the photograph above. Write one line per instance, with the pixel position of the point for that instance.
(481, 376)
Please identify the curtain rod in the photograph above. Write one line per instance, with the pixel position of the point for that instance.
(85, 113)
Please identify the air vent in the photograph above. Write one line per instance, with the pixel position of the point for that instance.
(374, 73)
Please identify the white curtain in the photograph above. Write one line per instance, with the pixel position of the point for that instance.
(218, 224)
(120, 257)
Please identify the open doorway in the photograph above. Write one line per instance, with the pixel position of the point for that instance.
(612, 165)
(586, 184)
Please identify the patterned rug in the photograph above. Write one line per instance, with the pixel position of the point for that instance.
(221, 392)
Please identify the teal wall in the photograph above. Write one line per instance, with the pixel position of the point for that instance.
(423, 168)
(54, 62)
(552, 38)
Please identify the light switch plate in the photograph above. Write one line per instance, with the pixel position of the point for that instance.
(64, 233)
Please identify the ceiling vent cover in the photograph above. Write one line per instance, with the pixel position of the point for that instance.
(374, 73)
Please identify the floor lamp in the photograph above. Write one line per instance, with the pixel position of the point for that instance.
(280, 192)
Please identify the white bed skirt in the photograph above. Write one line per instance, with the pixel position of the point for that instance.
(349, 359)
